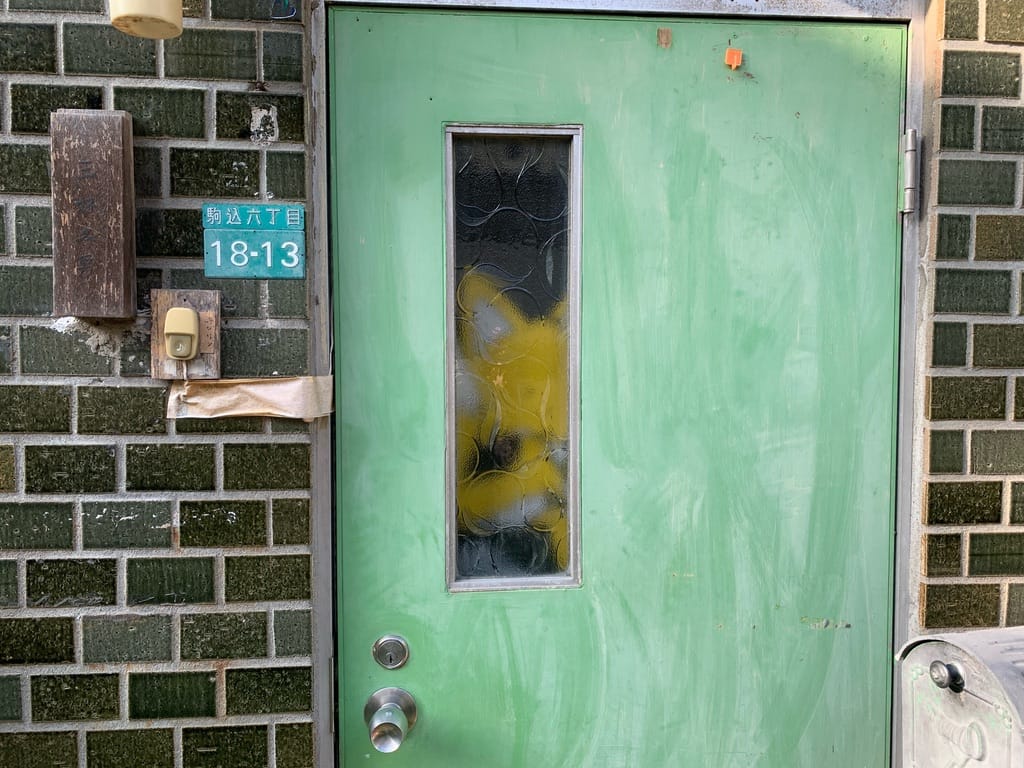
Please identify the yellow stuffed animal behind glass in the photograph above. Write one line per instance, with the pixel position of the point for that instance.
(511, 419)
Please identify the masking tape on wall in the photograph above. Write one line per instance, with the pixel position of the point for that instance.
(299, 397)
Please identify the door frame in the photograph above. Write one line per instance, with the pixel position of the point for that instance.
(923, 25)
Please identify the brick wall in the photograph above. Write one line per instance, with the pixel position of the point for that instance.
(973, 567)
(155, 576)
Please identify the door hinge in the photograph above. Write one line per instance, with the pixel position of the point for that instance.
(911, 171)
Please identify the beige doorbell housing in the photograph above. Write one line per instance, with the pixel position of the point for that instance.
(155, 19)
(181, 333)
(185, 334)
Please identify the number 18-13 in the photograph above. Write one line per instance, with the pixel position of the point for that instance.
(240, 253)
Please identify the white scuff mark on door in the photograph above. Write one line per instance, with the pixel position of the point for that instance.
(825, 623)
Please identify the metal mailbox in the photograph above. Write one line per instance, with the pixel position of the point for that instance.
(961, 700)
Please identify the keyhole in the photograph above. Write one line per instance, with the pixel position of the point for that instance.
(391, 652)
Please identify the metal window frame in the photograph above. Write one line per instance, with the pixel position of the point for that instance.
(573, 575)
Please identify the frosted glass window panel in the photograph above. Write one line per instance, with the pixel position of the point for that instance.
(511, 414)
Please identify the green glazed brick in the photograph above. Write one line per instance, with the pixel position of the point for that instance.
(943, 555)
(964, 503)
(149, 747)
(3, 231)
(25, 168)
(8, 584)
(262, 691)
(135, 353)
(7, 469)
(145, 281)
(242, 746)
(33, 231)
(957, 127)
(164, 112)
(949, 344)
(288, 427)
(26, 291)
(282, 57)
(37, 641)
(239, 298)
(70, 469)
(266, 466)
(170, 580)
(6, 352)
(74, 697)
(961, 20)
(972, 291)
(121, 410)
(1018, 399)
(287, 298)
(148, 172)
(292, 633)
(966, 397)
(214, 173)
(291, 522)
(60, 583)
(99, 49)
(946, 452)
(224, 426)
(28, 48)
(295, 745)
(250, 579)
(999, 238)
(959, 605)
(235, 117)
(257, 10)
(286, 175)
(10, 698)
(126, 638)
(998, 346)
(954, 237)
(1004, 21)
(173, 694)
(972, 73)
(1002, 129)
(261, 352)
(997, 453)
(31, 105)
(192, 8)
(169, 233)
(170, 467)
(977, 182)
(63, 352)
(1017, 503)
(81, 6)
(212, 54)
(27, 408)
(996, 554)
(126, 524)
(35, 526)
(223, 636)
(38, 750)
(1015, 605)
(223, 523)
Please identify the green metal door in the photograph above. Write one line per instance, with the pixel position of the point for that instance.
(738, 307)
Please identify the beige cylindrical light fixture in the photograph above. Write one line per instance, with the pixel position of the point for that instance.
(157, 19)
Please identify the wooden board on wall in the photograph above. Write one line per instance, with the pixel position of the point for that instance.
(93, 213)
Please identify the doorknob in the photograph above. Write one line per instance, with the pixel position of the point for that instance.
(390, 714)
